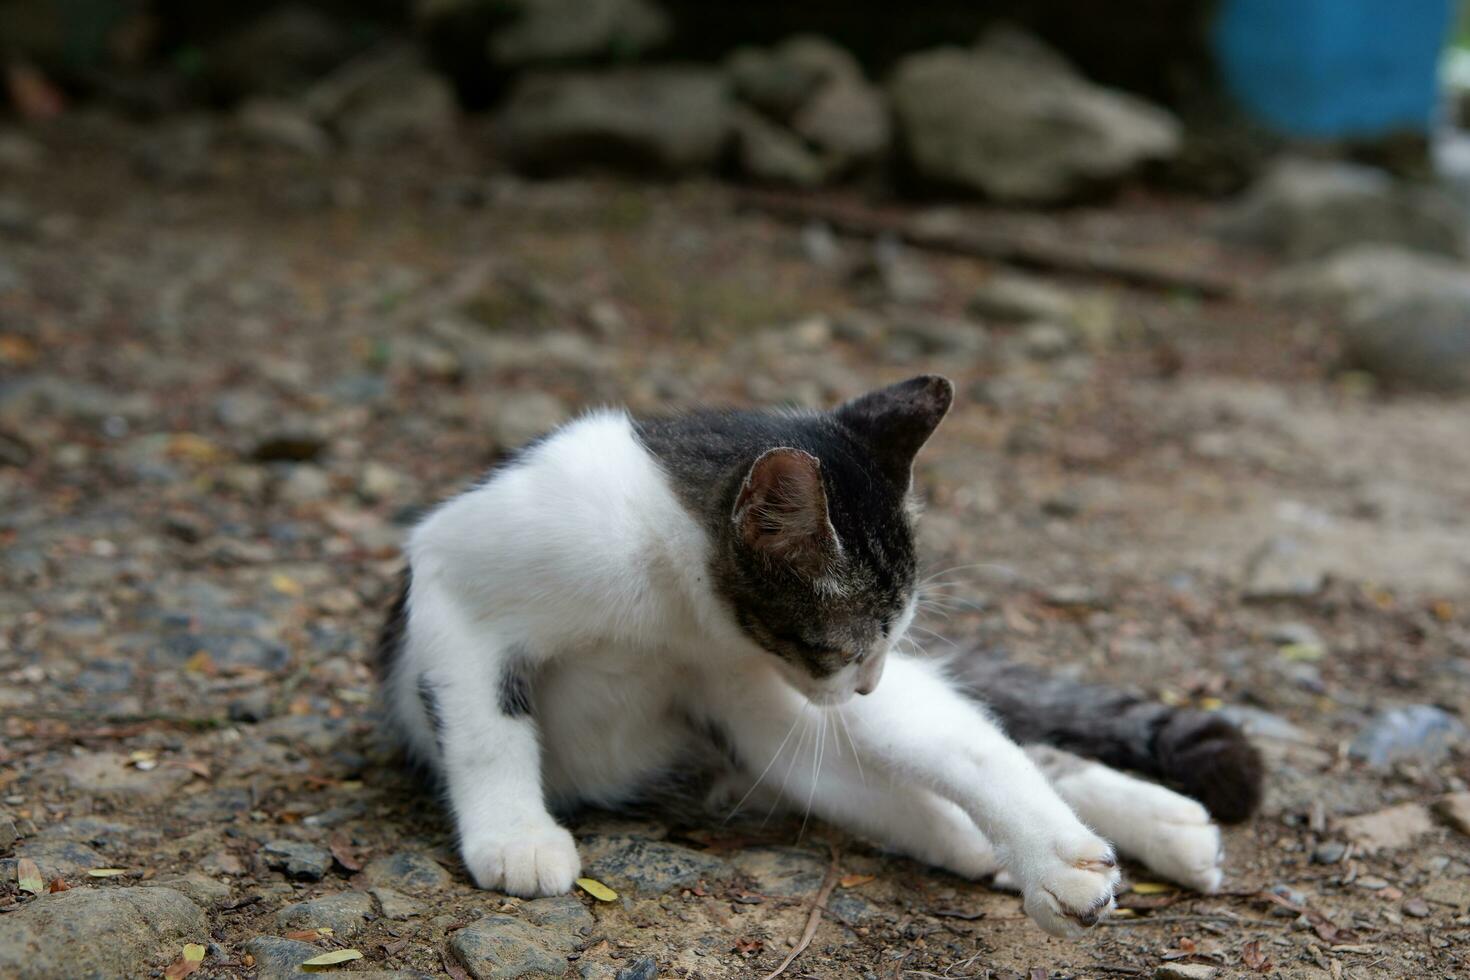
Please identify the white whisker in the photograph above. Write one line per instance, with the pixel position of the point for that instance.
(779, 749)
(855, 756)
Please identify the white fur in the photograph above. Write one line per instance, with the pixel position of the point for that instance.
(581, 558)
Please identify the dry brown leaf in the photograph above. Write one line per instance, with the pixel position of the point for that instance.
(304, 935)
(343, 854)
(1253, 958)
(57, 885)
(853, 881)
(191, 960)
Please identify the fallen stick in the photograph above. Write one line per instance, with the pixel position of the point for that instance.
(818, 907)
(1000, 245)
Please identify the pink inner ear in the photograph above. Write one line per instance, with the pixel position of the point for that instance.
(782, 507)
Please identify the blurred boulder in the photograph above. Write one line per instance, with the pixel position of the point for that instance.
(664, 120)
(402, 105)
(847, 122)
(1012, 121)
(780, 80)
(1308, 208)
(1404, 316)
(279, 53)
(281, 124)
(770, 153)
(554, 31)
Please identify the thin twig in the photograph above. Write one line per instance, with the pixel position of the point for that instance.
(1000, 245)
(818, 907)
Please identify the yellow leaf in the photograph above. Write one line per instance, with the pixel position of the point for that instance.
(332, 959)
(200, 663)
(1152, 888)
(852, 881)
(1211, 704)
(1303, 652)
(106, 872)
(597, 889)
(285, 584)
(28, 876)
(194, 953)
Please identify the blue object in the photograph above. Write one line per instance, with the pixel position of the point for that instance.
(1333, 68)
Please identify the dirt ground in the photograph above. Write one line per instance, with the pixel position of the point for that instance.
(225, 397)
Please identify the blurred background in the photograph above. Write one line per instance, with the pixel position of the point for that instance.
(276, 276)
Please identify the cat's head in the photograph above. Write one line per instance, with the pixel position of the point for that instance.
(819, 559)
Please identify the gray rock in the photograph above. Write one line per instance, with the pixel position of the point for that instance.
(304, 483)
(8, 834)
(1020, 129)
(407, 106)
(200, 888)
(346, 913)
(396, 905)
(1404, 315)
(1309, 208)
(781, 79)
(1186, 971)
(563, 912)
(638, 864)
(1329, 852)
(524, 416)
(558, 31)
(1418, 733)
(283, 125)
(1283, 568)
(768, 153)
(108, 775)
(669, 119)
(847, 122)
(57, 858)
(499, 947)
(177, 152)
(1047, 341)
(1388, 830)
(407, 871)
(99, 932)
(297, 859)
(1020, 299)
(643, 969)
(19, 153)
(782, 871)
(277, 958)
(931, 335)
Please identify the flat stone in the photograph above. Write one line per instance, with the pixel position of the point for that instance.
(59, 858)
(500, 947)
(643, 969)
(277, 958)
(565, 912)
(102, 932)
(1388, 830)
(297, 859)
(396, 905)
(1455, 810)
(346, 913)
(638, 864)
(407, 871)
(1185, 971)
(1453, 892)
(109, 775)
(1419, 733)
(200, 888)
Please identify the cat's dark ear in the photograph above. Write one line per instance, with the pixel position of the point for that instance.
(896, 421)
(781, 512)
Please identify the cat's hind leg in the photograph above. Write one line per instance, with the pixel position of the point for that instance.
(1168, 833)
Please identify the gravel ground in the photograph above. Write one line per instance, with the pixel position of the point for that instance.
(230, 382)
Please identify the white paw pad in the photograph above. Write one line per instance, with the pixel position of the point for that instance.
(544, 862)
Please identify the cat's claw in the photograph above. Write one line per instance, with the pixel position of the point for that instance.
(1074, 889)
(530, 865)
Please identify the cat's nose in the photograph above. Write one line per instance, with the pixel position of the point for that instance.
(866, 687)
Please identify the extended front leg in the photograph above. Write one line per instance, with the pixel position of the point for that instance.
(916, 731)
(471, 692)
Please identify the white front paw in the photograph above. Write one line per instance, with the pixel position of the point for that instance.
(1183, 845)
(1071, 887)
(528, 863)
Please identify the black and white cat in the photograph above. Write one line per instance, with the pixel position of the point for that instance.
(623, 593)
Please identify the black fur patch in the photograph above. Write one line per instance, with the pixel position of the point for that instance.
(395, 624)
(429, 699)
(514, 697)
(1201, 754)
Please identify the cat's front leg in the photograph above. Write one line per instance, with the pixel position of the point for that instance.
(472, 693)
(918, 728)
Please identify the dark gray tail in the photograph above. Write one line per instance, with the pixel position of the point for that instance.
(1200, 754)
